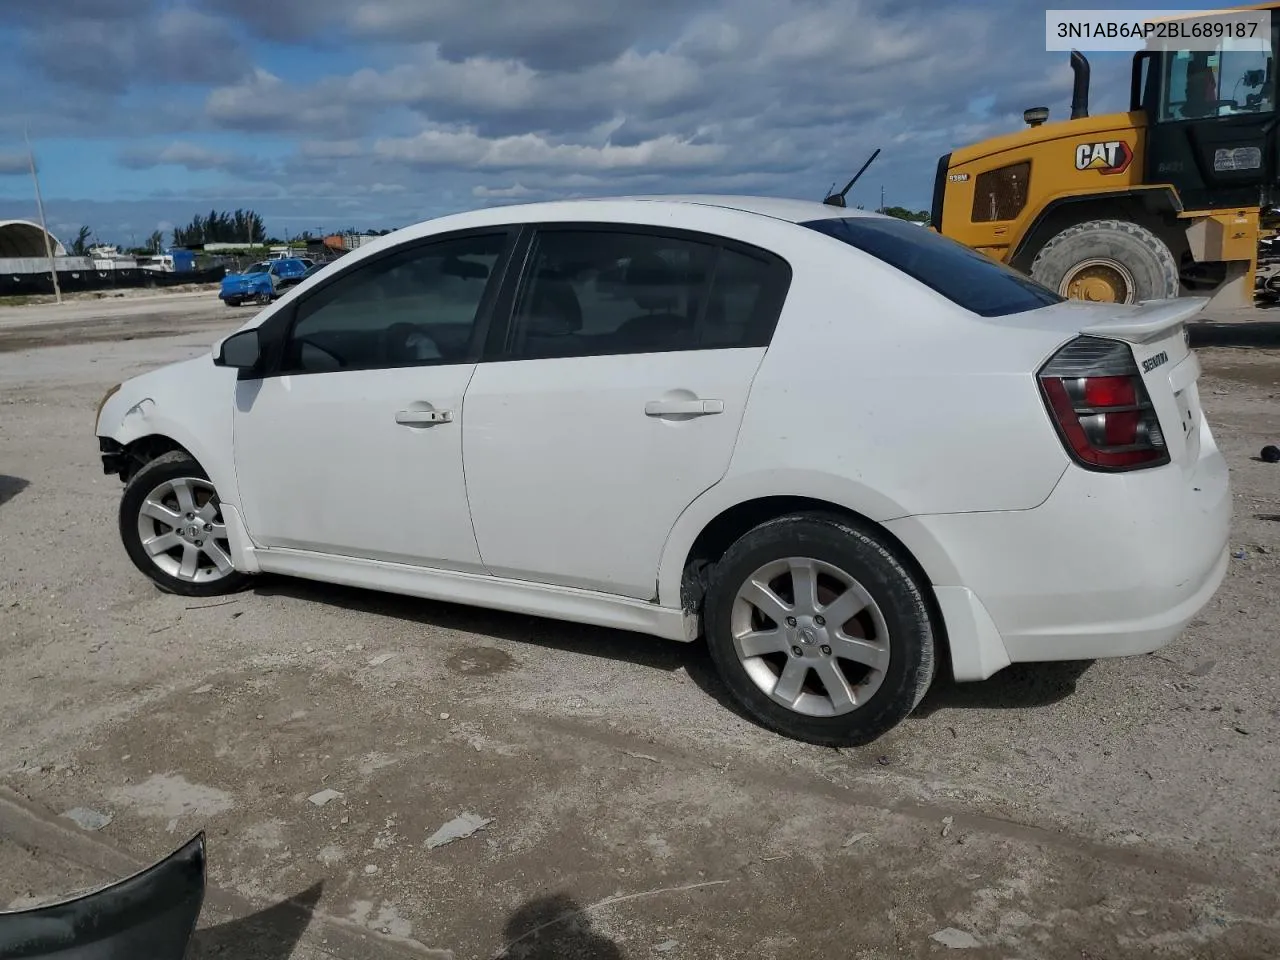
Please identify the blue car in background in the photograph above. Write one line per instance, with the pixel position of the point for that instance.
(263, 281)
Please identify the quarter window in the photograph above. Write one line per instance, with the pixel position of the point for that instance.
(416, 306)
(602, 292)
(964, 276)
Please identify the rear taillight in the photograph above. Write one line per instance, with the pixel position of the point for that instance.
(1100, 406)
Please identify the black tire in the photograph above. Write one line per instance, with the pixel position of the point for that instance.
(165, 469)
(231, 303)
(1138, 251)
(869, 560)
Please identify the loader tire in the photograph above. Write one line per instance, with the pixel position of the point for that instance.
(1107, 261)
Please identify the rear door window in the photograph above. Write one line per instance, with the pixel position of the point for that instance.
(961, 274)
(595, 292)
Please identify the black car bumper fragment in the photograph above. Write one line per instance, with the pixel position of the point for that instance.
(114, 458)
(151, 914)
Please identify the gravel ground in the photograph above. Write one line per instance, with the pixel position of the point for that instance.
(1123, 808)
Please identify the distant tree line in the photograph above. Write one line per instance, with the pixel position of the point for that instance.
(902, 213)
(242, 226)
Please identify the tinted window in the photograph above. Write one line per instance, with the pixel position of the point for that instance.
(961, 274)
(594, 293)
(416, 306)
(1000, 194)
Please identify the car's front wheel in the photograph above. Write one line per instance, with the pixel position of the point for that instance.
(819, 630)
(172, 527)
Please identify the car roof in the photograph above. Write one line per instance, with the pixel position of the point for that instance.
(619, 209)
(778, 208)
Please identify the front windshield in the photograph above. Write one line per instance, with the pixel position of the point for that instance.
(1234, 79)
(258, 268)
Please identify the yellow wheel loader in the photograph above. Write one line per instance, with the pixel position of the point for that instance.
(1163, 200)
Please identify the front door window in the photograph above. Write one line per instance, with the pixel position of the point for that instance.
(1229, 81)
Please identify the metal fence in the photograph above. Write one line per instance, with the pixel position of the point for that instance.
(90, 278)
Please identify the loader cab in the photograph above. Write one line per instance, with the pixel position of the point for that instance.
(1211, 121)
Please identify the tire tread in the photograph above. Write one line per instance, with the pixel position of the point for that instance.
(1157, 278)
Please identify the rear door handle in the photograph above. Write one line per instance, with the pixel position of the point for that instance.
(422, 418)
(695, 408)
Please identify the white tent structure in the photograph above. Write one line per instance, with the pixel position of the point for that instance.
(22, 239)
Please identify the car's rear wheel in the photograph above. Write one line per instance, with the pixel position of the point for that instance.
(819, 630)
(172, 527)
(231, 302)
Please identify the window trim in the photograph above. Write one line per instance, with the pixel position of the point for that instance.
(277, 330)
(498, 347)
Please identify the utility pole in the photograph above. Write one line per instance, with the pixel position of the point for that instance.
(48, 244)
(881, 200)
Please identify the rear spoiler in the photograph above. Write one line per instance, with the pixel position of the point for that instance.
(1149, 320)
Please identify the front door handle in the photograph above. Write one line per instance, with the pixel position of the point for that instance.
(690, 408)
(422, 418)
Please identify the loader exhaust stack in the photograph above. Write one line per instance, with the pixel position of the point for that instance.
(1080, 88)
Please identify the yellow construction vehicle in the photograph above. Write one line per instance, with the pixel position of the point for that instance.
(1163, 200)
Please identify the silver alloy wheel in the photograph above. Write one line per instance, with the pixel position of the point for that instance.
(810, 636)
(181, 529)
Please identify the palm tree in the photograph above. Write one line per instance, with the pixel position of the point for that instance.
(80, 245)
(155, 241)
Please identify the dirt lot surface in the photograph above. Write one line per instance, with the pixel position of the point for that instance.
(1119, 809)
(143, 314)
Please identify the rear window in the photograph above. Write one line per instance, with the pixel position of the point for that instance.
(961, 274)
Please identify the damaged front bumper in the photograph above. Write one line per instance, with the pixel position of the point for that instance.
(114, 458)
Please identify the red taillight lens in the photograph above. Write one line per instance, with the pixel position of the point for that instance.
(1110, 392)
(1100, 406)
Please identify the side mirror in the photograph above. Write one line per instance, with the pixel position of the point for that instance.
(242, 351)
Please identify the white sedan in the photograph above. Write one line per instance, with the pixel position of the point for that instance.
(842, 451)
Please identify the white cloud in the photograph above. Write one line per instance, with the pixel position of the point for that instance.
(467, 148)
(173, 45)
(331, 149)
(191, 156)
(262, 102)
(515, 191)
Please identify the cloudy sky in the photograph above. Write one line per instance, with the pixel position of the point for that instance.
(328, 114)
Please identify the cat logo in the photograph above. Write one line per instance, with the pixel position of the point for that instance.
(1111, 156)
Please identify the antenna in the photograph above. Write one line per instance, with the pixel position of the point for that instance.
(837, 199)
